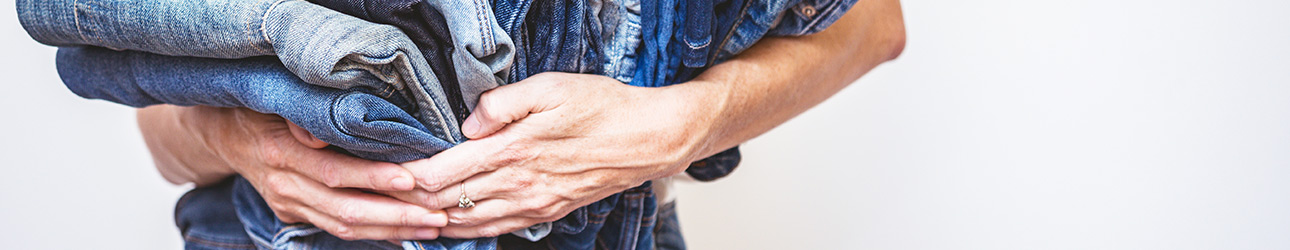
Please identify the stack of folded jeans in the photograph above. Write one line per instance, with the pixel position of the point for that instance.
(391, 80)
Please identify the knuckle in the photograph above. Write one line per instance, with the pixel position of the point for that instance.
(490, 231)
(271, 154)
(533, 208)
(345, 233)
(278, 207)
(545, 212)
(349, 213)
(486, 100)
(406, 218)
(433, 181)
(330, 174)
(459, 219)
(279, 185)
(433, 201)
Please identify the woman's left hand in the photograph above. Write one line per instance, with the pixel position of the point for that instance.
(554, 142)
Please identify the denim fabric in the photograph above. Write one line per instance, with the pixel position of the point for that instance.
(426, 27)
(274, 234)
(206, 215)
(480, 50)
(356, 118)
(622, 221)
(583, 36)
(560, 35)
(621, 36)
(667, 233)
(361, 121)
(319, 45)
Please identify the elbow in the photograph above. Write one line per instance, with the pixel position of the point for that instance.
(894, 38)
(896, 44)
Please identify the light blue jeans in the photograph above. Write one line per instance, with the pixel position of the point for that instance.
(321, 46)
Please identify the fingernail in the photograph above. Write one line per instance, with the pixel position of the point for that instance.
(402, 183)
(426, 233)
(434, 220)
(470, 127)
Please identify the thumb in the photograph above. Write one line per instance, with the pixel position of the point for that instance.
(304, 136)
(504, 105)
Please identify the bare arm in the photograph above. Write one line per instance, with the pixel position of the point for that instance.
(779, 78)
(558, 141)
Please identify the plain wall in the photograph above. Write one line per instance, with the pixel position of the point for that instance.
(1099, 124)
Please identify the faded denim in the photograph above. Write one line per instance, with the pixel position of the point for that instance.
(319, 45)
(357, 118)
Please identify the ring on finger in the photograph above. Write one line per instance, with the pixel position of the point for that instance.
(464, 202)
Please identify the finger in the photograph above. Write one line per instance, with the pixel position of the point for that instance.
(342, 171)
(304, 136)
(347, 232)
(426, 199)
(484, 212)
(492, 229)
(481, 187)
(506, 104)
(452, 166)
(353, 207)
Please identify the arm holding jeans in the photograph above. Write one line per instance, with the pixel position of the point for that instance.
(770, 83)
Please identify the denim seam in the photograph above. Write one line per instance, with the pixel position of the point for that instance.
(265, 18)
(250, 34)
(705, 44)
(484, 30)
(76, 17)
(832, 8)
(639, 213)
(733, 27)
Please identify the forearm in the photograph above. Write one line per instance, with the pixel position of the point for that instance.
(779, 78)
(180, 155)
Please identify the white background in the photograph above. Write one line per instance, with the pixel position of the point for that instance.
(1099, 124)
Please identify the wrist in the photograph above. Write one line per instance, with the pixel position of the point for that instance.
(699, 107)
(201, 149)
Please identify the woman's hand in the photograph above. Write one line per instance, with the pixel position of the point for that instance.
(301, 182)
(554, 142)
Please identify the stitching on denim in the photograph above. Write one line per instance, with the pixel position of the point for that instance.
(250, 34)
(705, 44)
(76, 17)
(265, 18)
(734, 27)
(335, 121)
(832, 8)
(481, 16)
(633, 235)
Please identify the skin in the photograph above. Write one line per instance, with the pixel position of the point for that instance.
(550, 143)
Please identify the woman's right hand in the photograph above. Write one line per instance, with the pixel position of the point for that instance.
(301, 181)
